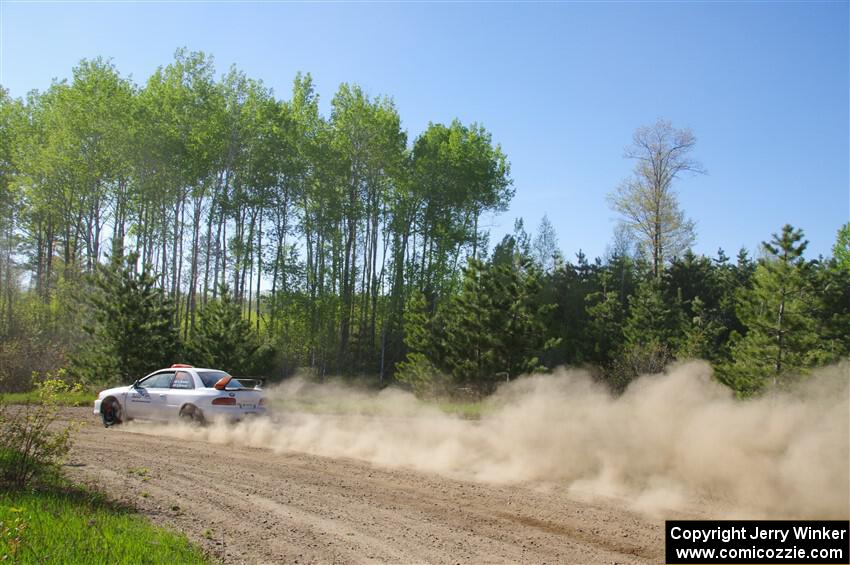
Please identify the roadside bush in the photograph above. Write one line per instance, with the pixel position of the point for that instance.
(32, 442)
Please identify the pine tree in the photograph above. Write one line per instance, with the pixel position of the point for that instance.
(702, 288)
(652, 334)
(224, 339)
(831, 281)
(132, 332)
(781, 336)
(702, 333)
(468, 345)
(653, 320)
(493, 329)
(517, 319)
(607, 316)
(417, 371)
(567, 289)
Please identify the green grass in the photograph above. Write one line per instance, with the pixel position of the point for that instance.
(68, 525)
(78, 398)
(471, 410)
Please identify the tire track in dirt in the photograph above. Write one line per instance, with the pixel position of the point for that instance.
(251, 505)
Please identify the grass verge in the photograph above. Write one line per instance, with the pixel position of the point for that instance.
(471, 410)
(65, 524)
(66, 398)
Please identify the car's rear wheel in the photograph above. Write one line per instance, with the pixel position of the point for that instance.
(110, 411)
(191, 414)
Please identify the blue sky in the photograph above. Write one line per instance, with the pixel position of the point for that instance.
(561, 86)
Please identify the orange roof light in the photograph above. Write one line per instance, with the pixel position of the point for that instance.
(222, 382)
(181, 366)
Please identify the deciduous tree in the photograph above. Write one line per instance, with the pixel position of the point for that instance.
(648, 201)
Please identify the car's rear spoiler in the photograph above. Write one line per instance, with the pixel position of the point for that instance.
(256, 384)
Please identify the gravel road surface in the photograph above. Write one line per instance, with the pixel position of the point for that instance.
(250, 505)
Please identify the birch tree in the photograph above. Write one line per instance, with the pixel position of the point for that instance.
(648, 201)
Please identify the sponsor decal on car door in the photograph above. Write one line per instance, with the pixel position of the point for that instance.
(139, 399)
(181, 391)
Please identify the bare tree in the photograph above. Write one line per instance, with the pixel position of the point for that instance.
(647, 199)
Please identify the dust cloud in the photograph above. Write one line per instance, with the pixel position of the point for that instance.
(673, 441)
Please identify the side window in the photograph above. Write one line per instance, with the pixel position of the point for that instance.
(160, 380)
(182, 380)
(148, 382)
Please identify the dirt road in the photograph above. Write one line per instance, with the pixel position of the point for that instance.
(250, 505)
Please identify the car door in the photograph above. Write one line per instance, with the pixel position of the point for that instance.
(182, 391)
(159, 395)
(139, 399)
(147, 399)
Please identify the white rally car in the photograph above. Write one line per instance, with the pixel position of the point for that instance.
(181, 392)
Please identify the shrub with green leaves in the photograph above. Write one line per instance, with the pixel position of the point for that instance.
(32, 442)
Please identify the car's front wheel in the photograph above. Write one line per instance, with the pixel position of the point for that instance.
(192, 415)
(110, 411)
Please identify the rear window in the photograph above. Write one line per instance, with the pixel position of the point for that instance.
(209, 378)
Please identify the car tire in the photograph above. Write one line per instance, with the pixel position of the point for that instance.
(110, 412)
(191, 414)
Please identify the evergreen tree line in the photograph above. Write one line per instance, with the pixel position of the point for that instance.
(202, 219)
(761, 322)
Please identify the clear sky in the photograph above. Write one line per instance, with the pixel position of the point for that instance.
(561, 86)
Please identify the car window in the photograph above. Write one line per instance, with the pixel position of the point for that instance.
(160, 380)
(209, 378)
(183, 380)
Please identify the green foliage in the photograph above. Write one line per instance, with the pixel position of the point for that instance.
(704, 291)
(320, 225)
(781, 339)
(652, 318)
(830, 281)
(423, 378)
(519, 314)
(493, 329)
(456, 175)
(224, 339)
(602, 298)
(344, 246)
(468, 340)
(418, 334)
(606, 318)
(31, 522)
(417, 371)
(841, 249)
(76, 396)
(651, 335)
(132, 331)
(32, 442)
(702, 333)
